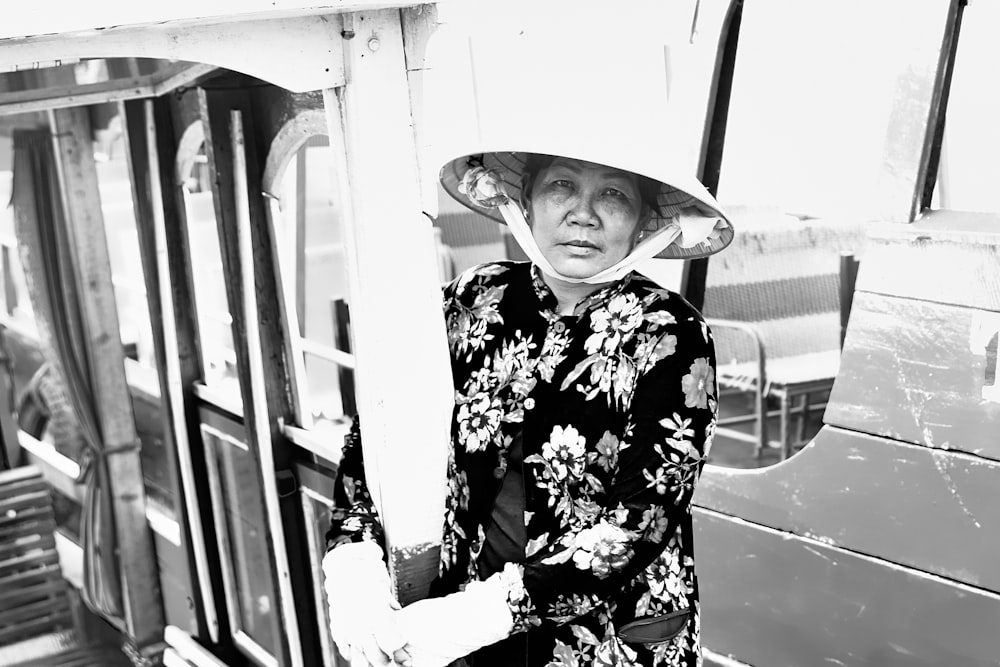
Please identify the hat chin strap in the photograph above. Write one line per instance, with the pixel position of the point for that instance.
(687, 231)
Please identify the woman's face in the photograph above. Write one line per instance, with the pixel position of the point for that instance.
(584, 216)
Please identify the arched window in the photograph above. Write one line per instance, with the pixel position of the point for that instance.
(309, 239)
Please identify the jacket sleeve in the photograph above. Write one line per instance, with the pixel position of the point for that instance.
(353, 518)
(653, 470)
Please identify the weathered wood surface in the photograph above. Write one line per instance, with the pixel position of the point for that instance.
(774, 599)
(308, 40)
(916, 371)
(257, 334)
(140, 587)
(31, 583)
(405, 441)
(163, 241)
(946, 256)
(903, 503)
(50, 16)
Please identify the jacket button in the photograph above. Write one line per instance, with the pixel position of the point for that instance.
(559, 327)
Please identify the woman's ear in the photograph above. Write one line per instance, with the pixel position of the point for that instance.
(526, 208)
(643, 224)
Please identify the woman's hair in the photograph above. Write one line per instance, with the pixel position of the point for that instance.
(536, 163)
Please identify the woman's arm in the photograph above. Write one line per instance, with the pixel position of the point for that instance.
(353, 518)
(653, 473)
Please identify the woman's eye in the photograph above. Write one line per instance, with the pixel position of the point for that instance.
(562, 183)
(615, 192)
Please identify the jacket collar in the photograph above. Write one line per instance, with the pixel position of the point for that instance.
(548, 301)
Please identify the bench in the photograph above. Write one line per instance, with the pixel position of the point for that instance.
(774, 302)
(38, 625)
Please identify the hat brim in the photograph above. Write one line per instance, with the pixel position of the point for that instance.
(676, 195)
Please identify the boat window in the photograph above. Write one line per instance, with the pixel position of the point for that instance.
(15, 304)
(310, 244)
(824, 134)
(215, 333)
(969, 171)
(241, 529)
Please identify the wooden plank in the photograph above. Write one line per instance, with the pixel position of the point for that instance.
(267, 378)
(311, 40)
(34, 627)
(59, 16)
(46, 524)
(27, 563)
(382, 234)
(143, 611)
(18, 474)
(41, 608)
(181, 75)
(31, 543)
(54, 587)
(153, 148)
(897, 258)
(24, 516)
(776, 599)
(247, 254)
(875, 496)
(917, 371)
(151, 210)
(20, 489)
(59, 97)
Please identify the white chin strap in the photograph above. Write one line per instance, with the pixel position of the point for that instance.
(686, 230)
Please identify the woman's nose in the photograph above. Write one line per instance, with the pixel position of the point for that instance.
(583, 212)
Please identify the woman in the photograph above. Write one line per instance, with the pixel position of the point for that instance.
(585, 405)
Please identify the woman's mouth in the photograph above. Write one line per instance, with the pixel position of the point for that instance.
(580, 243)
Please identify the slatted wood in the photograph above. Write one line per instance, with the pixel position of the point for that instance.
(60, 649)
(781, 600)
(35, 625)
(31, 585)
(40, 525)
(43, 588)
(30, 577)
(914, 371)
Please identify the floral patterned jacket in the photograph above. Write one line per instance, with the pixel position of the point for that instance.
(617, 408)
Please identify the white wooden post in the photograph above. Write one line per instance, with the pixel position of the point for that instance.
(403, 372)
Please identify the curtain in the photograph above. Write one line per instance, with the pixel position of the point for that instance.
(47, 256)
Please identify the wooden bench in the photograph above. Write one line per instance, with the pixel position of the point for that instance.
(773, 300)
(37, 620)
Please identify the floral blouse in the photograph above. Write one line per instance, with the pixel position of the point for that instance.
(616, 405)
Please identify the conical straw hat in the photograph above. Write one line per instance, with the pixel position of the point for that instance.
(606, 102)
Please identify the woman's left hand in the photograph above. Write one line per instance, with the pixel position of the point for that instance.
(363, 610)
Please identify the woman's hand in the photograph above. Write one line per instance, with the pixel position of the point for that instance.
(441, 630)
(362, 607)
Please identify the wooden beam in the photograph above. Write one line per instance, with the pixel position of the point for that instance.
(311, 40)
(78, 175)
(45, 17)
(64, 96)
(115, 90)
(169, 80)
(405, 442)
